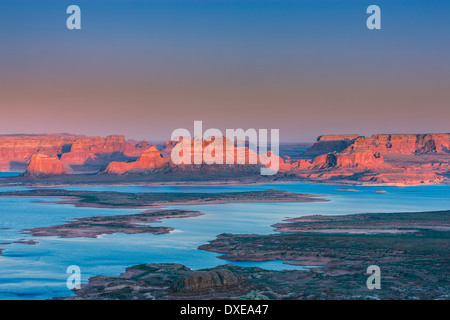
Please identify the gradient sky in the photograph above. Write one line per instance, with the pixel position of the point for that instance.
(145, 68)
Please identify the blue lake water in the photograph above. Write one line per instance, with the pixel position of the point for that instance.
(10, 174)
(39, 271)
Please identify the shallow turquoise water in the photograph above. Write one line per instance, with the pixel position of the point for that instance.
(38, 271)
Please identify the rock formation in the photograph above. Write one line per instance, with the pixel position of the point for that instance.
(402, 159)
(405, 143)
(365, 159)
(149, 160)
(383, 143)
(405, 159)
(78, 153)
(43, 165)
(212, 155)
(331, 143)
(205, 281)
(168, 282)
(332, 157)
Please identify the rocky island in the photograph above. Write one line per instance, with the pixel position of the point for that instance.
(92, 227)
(114, 199)
(414, 263)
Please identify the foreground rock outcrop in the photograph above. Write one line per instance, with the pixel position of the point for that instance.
(166, 281)
(334, 252)
(411, 248)
(197, 282)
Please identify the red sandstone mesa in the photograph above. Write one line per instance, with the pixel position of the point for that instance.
(149, 159)
(43, 165)
(385, 143)
(406, 159)
(403, 159)
(77, 152)
(153, 159)
(364, 159)
(405, 143)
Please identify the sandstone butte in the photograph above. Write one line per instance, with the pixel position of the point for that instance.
(396, 159)
(149, 159)
(78, 153)
(152, 158)
(43, 165)
(402, 159)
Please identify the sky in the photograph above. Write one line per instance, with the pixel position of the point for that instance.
(146, 68)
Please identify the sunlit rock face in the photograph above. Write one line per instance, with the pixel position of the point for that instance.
(43, 165)
(77, 152)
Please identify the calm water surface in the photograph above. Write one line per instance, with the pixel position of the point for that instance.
(38, 271)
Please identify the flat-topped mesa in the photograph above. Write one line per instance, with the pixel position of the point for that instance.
(79, 152)
(222, 151)
(91, 149)
(217, 149)
(361, 160)
(334, 137)
(402, 159)
(42, 136)
(210, 155)
(42, 165)
(15, 151)
(331, 143)
(381, 143)
(404, 143)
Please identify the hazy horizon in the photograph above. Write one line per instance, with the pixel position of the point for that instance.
(146, 68)
(149, 139)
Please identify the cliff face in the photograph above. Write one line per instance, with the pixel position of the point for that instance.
(383, 143)
(149, 160)
(77, 153)
(405, 143)
(337, 157)
(331, 143)
(204, 281)
(406, 159)
(365, 159)
(205, 155)
(16, 151)
(43, 165)
(382, 158)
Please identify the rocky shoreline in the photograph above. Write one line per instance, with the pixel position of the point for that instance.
(114, 199)
(344, 176)
(344, 241)
(91, 227)
(414, 264)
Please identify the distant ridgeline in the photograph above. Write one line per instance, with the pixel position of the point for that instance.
(77, 153)
(402, 159)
